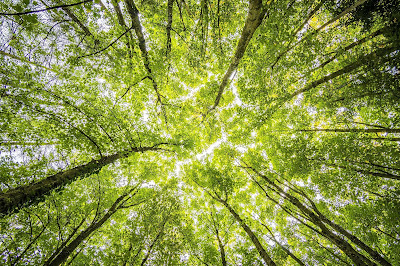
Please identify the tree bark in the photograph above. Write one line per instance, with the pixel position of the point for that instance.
(356, 257)
(29, 194)
(254, 18)
(68, 249)
(170, 6)
(134, 14)
(146, 257)
(267, 259)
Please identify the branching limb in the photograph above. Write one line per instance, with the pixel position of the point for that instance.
(45, 9)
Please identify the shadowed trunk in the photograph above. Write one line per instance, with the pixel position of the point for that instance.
(314, 216)
(63, 255)
(267, 259)
(134, 14)
(254, 18)
(170, 6)
(29, 194)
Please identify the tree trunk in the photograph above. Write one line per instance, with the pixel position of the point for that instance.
(347, 69)
(343, 245)
(375, 255)
(63, 255)
(121, 22)
(146, 257)
(294, 257)
(170, 6)
(254, 18)
(267, 259)
(346, 11)
(221, 248)
(29, 194)
(134, 14)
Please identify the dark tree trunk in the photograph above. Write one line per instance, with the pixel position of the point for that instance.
(170, 6)
(253, 21)
(137, 26)
(63, 255)
(267, 259)
(29, 194)
(314, 217)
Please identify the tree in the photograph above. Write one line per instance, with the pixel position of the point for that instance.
(199, 132)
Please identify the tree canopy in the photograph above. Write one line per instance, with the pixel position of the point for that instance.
(206, 132)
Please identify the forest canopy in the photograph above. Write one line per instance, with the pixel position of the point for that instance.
(206, 132)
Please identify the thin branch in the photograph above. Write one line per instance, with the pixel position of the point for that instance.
(108, 46)
(41, 10)
(127, 90)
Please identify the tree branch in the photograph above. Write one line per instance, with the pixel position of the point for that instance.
(41, 10)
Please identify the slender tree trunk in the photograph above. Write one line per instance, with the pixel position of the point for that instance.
(146, 257)
(121, 22)
(347, 69)
(381, 173)
(264, 255)
(170, 6)
(317, 7)
(386, 139)
(221, 248)
(310, 15)
(77, 21)
(375, 255)
(254, 18)
(283, 247)
(134, 14)
(125, 261)
(65, 242)
(82, 26)
(32, 193)
(345, 12)
(377, 174)
(63, 255)
(356, 257)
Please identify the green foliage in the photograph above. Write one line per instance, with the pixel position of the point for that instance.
(307, 124)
